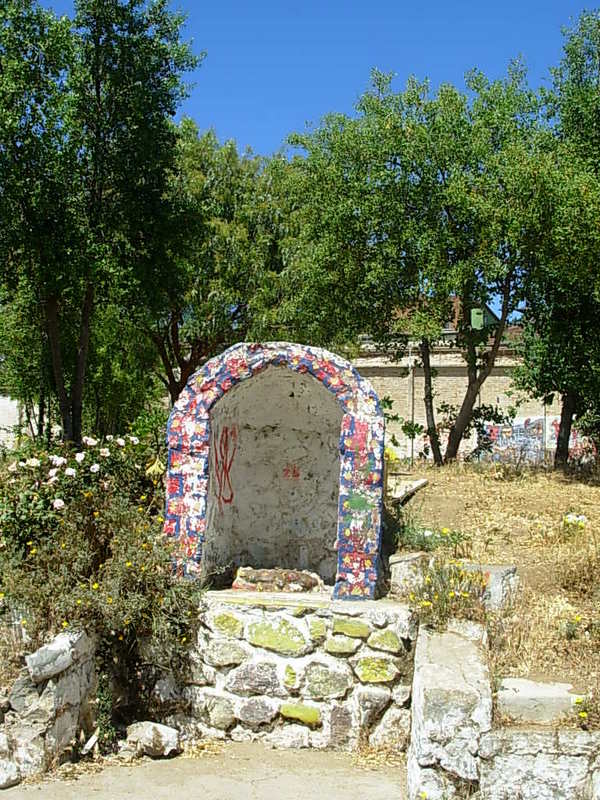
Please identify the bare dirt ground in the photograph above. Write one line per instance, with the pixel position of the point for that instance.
(233, 771)
(516, 517)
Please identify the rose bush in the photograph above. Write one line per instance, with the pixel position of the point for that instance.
(81, 545)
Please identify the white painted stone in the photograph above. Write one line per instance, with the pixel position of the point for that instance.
(502, 584)
(371, 702)
(534, 765)
(595, 786)
(406, 572)
(452, 703)
(289, 736)
(166, 690)
(472, 631)
(28, 747)
(9, 774)
(153, 739)
(535, 702)
(425, 783)
(401, 694)
(393, 730)
(63, 731)
(58, 655)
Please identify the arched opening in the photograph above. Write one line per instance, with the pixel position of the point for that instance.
(266, 423)
(274, 476)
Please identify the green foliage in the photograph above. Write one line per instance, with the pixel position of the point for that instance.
(82, 546)
(107, 733)
(413, 535)
(87, 145)
(447, 591)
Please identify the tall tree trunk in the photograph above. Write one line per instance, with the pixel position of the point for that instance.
(82, 352)
(41, 412)
(432, 433)
(463, 419)
(53, 328)
(567, 412)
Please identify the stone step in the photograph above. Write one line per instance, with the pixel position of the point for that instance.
(451, 710)
(535, 702)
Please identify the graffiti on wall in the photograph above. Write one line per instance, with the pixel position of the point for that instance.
(224, 447)
(530, 440)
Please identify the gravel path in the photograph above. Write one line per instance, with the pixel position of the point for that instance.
(246, 771)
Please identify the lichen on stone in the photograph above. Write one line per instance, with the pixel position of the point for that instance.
(317, 629)
(290, 678)
(372, 669)
(307, 715)
(342, 645)
(355, 628)
(385, 640)
(228, 624)
(278, 635)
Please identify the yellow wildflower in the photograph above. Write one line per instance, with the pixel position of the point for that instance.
(451, 594)
(128, 564)
(109, 599)
(95, 585)
(579, 701)
(583, 714)
(79, 602)
(65, 624)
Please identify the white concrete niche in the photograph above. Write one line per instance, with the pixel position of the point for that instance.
(273, 476)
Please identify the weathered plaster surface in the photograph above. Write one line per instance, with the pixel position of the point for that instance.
(278, 504)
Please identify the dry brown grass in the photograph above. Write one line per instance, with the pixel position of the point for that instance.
(553, 631)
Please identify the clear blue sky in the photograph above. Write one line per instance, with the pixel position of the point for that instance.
(274, 65)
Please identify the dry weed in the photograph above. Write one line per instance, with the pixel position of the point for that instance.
(516, 517)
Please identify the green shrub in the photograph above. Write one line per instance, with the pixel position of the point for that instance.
(448, 591)
(82, 547)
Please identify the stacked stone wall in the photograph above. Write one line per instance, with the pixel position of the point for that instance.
(300, 672)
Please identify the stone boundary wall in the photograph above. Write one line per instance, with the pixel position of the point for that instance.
(298, 671)
(47, 706)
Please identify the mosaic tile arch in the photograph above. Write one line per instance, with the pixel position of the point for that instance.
(361, 456)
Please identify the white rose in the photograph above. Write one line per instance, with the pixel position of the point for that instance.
(104, 452)
(79, 457)
(58, 504)
(94, 467)
(33, 462)
(58, 461)
(52, 472)
(110, 437)
(120, 442)
(13, 467)
(134, 439)
(70, 472)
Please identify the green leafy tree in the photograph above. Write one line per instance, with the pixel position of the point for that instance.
(85, 118)
(560, 352)
(417, 199)
(220, 240)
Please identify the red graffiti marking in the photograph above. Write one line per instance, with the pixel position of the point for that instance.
(224, 448)
(291, 471)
